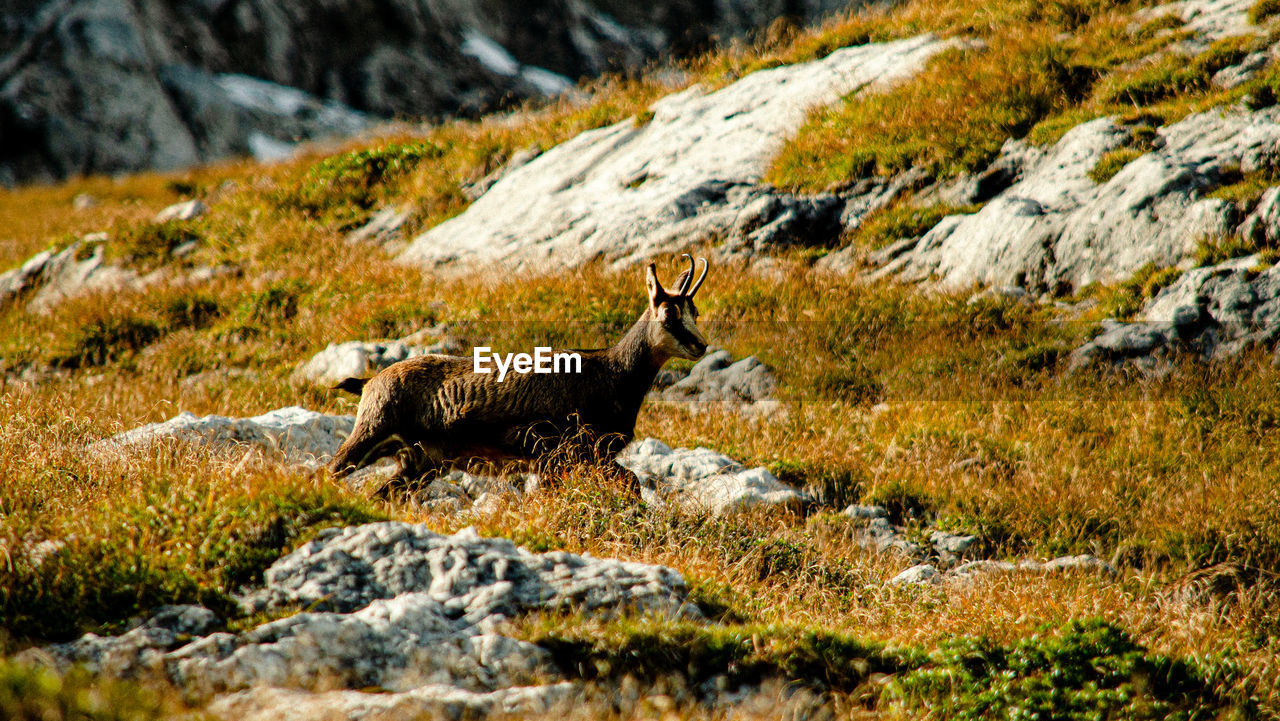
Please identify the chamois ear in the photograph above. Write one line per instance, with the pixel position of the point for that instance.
(656, 292)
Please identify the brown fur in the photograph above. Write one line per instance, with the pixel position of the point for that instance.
(439, 406)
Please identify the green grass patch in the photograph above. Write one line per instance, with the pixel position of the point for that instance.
(1111, 163)
(106, 340)
(951, 118)
(148, 245)
(650, 650)
(29, 693)
(1124, 300)
(885, 227)
(1214, 250)
(210, 552)
(1088, 670)
(1245, 189)
(1174, 74)
(341, 188)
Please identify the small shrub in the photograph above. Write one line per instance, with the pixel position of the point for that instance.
(191, 311)
(1212, 251)
(833, 487)
(902, 501)
(1090, 670)
(887, 226)
(1111, 163)
(856, 385)
(1263, 10)
(276, 303)
(106, 340)
(150, 244)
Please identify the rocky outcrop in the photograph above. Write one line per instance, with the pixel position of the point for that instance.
(1214, 312)
(53, 276)
(389, 606)
(688, 174)
(1057, 230)
(105, 86)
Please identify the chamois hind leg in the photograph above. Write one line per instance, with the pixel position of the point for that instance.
(417, 460)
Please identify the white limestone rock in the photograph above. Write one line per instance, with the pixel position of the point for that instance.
(923, 574)
(1086, 563)
(297, 434)
(632, 190)
(1055, 229)
(702, 479)
(433, 701)
(358, 359)
(186, 210)
(393, 606)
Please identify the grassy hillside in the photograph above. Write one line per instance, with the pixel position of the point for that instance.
(946, 411)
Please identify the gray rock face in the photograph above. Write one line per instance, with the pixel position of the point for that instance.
(393, 606)
(690, 173)
(108, 85)
(1055, 229)
(296, 434)
(1215, 312)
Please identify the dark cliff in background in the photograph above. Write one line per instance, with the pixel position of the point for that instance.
(106, 86)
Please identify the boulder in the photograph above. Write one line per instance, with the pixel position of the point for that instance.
(186, 210)
(918, 575)
(296, 434)
(360, 359)
(717, 378)
(927, 574)
(429, 701)
(702, 479)
(655, 185)
(391, 606)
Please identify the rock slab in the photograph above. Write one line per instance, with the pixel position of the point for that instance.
(644, 187)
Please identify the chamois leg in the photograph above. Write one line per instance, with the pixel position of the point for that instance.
(417, 460)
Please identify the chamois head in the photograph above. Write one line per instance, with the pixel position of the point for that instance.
(672, 315)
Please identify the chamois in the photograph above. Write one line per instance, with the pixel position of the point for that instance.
(444, 411)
